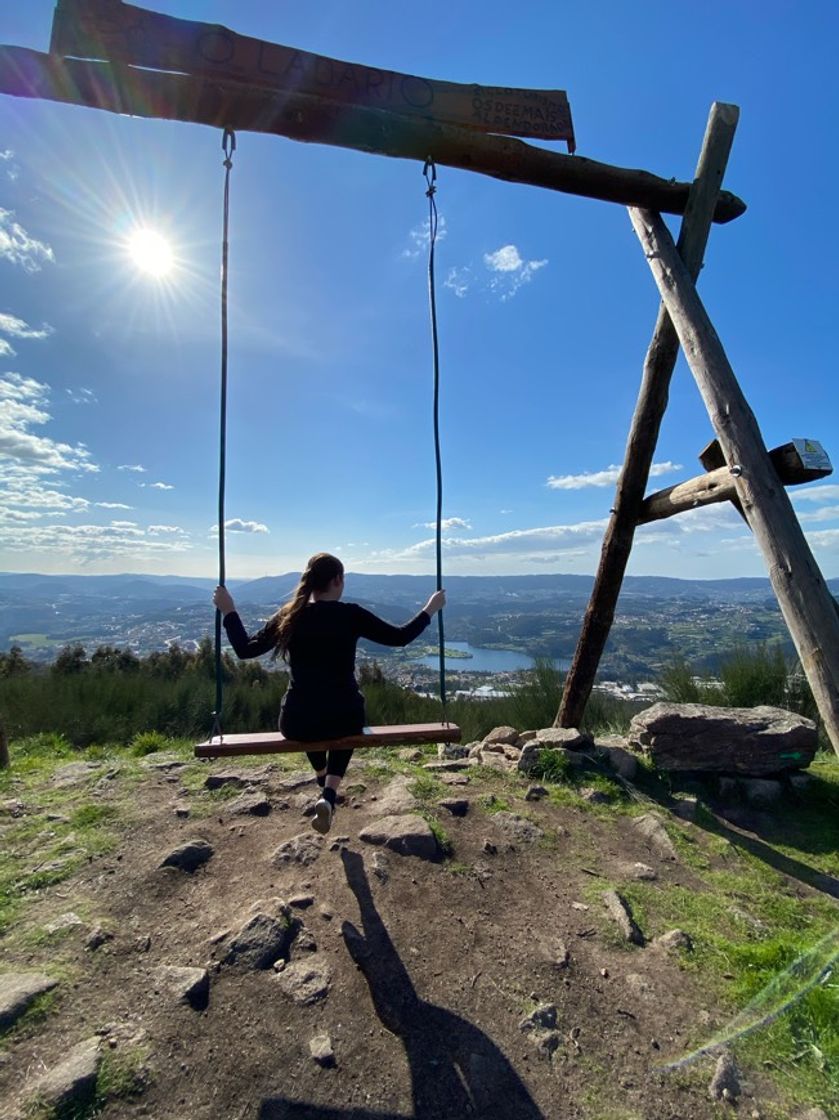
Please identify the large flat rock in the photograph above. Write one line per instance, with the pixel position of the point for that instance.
(757, 741)
(409, 835)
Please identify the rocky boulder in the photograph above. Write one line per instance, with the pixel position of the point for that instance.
(755, 741)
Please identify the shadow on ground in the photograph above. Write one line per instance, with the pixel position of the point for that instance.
(455, 1069)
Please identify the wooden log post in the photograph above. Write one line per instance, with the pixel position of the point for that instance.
(806, 603)
(5, 760)
(119, 88)
(643, 435)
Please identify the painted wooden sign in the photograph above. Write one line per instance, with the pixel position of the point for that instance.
(117, 32)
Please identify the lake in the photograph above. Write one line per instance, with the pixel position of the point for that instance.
(483, 660)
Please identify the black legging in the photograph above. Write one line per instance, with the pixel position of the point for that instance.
(335, 762)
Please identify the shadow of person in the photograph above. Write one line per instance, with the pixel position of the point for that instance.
(456, 1071)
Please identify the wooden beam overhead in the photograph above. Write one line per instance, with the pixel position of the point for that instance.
(118, 88)
(111, 31)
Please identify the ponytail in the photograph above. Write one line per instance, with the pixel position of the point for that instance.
(320, 571)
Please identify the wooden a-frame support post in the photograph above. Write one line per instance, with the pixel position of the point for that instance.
(646, 422)
(805, 600)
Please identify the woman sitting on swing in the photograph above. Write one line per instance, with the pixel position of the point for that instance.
(317, 634)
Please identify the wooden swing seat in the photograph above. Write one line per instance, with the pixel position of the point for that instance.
(273, 742)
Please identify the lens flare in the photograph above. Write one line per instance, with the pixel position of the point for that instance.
(151, 252)
(811, 968)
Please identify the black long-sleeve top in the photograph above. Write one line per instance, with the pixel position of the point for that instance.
(321, 653)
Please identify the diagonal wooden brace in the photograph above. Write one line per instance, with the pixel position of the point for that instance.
(806, 603)
(643, 435)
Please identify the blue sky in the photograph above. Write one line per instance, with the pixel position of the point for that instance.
(109, 377)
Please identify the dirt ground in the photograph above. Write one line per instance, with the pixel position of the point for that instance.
(432, 966)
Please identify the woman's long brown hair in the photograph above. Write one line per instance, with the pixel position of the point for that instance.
(320, 571)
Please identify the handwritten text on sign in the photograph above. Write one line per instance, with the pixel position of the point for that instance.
(107, 29)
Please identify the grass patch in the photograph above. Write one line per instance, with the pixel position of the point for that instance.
(492, 803)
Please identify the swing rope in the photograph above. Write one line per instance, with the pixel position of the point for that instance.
(228, 145)
(430, 173)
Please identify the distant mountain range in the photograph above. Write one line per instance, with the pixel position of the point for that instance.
(658, 617)
(394, 589)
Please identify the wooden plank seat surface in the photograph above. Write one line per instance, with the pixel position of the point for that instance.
(273, 742)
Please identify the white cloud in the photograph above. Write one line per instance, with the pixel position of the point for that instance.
(459, 281)
(22, 402)
(135, 467)
(156, 485)
(446, 524)
(607, 477)
(82, 396)
(505, 259)
(161, 530)
(517, 541)
(510, 270)
(816, 493)
(12, 169)
(420, 236)
(826, 513)
(18, 328)
(112, 505)
(18, 247)
(90, 544)
(6, 349)
(824, 538)
(504, 272)
(237, 525)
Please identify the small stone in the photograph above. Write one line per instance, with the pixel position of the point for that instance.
(489, 848)
(305, 940)
(674, 940)
(604, 972)
(579, 906)
(408, 835)
(621, 914)
(644, 872)
(97, 938)
(306, 982)
(189, 856)
(762, 791)
(17, 992)
(518, 829)
(652, 829)
(502, 735)
(726, 1079)
(63, 922)
(320, 1047)
(303, 848)
(186, 985)
(686, 808)
(542, 1018)
(250, 805)
(380, 867)
(181, 809)
(457, 806)
(261, 941)
(72, 1083)
(547, 1042)
(594, 796)
(301, 901)
(535, 793)
(279, 965)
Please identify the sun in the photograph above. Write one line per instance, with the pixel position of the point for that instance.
(151, 252)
